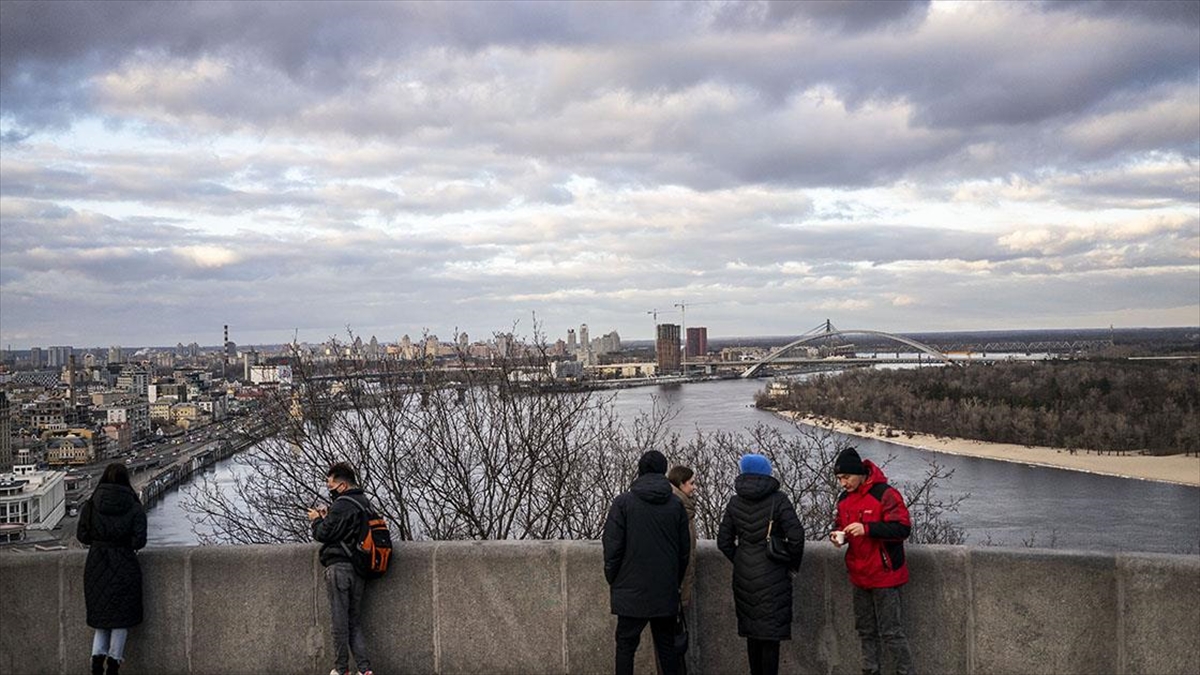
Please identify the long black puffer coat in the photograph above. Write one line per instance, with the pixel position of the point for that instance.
(646, 549)
(113, 524)
(762, 588)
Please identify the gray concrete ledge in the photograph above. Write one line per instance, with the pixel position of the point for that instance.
(542, 607)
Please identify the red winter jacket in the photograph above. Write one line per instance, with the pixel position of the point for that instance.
(875, 560)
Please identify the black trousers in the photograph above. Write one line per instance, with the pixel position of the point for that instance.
(629, 634)
(764, 656)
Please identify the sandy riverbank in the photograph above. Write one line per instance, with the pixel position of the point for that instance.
(1169, 469)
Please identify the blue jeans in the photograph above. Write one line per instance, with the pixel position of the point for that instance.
(110, 641)
(877, 618)
(345, 606)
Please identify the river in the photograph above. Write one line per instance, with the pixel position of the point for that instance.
(1010, 504)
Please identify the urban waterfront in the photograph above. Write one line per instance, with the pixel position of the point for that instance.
(1010, 504)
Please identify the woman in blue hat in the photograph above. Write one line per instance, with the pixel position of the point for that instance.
(762, 579)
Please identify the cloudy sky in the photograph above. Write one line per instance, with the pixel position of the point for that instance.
(167, 168)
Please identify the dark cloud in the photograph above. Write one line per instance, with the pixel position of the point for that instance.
(1176, 12)
(850, 16)
(398, 166)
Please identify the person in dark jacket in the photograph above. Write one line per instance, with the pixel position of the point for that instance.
(646, 550)
(337, 528)
(873, 520)
(762, 587)
(112, 524)
(683, 486)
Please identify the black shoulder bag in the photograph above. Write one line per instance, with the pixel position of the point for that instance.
(777, 544)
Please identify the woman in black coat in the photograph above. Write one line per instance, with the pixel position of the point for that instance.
(113, 524)
(762, 587)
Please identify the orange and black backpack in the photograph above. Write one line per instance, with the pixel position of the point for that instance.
(372, 544)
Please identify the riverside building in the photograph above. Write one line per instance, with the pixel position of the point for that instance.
(666, 349)
(30, 500)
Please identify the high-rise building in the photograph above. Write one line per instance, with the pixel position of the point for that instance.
(249, 358)
(134, 380)
(56, 357)
(6, 456)
(666, 348)
(608, 343)
(585, 342)
(115, 355)
(697, 341)
(572, 346)
(35, 357)
(506, 346)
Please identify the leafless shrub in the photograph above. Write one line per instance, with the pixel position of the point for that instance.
(470, 450)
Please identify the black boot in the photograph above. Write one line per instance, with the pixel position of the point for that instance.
(98, 664)
(112, 667)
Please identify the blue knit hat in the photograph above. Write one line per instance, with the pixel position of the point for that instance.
(758, 464)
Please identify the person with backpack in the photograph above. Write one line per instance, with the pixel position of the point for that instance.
(873, 521)
(762, 536)
(112, 523)
(340, 528)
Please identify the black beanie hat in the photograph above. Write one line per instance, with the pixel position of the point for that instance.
(848, 461)
(652, 461)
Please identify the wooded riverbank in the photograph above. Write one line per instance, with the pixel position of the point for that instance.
(1181, 469)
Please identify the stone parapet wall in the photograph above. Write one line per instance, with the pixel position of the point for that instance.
(542, 607)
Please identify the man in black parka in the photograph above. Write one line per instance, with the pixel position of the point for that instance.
(646, 550)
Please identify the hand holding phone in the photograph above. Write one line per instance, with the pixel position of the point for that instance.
(318, 508)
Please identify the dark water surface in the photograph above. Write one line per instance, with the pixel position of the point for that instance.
(1010, 504)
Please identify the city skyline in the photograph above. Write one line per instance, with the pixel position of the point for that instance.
(294, 169)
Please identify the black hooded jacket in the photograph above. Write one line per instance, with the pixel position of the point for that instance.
(646, 549)
(113, 523)
(340, 525)
(762, 588)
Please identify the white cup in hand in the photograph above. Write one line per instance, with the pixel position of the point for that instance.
(839, 537)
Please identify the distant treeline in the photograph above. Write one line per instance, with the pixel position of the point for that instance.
(1105, 406)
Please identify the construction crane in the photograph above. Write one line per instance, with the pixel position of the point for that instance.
(655, 312)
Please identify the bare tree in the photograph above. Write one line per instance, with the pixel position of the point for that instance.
(459, 450)
(803, 460)
(464, 449)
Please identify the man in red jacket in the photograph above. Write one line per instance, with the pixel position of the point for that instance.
(874, 523)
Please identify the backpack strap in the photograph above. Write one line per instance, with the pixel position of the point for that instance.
(362, 508)
(353, 501)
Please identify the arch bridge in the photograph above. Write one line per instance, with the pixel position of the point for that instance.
(826, 331)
